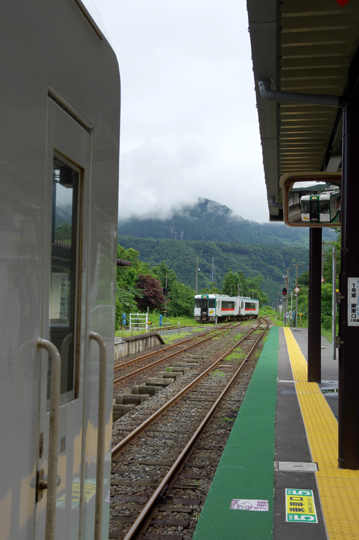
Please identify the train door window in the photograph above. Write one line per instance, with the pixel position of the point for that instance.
(314, 213)
(64, 271)
(324, 207)
(305, 207)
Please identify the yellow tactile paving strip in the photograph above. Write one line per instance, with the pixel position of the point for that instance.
(338, 488)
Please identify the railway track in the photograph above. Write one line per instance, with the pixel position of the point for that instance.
(147, 491)
(135, 366)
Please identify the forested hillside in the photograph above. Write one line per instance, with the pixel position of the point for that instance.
(209, 221)
(269, 261)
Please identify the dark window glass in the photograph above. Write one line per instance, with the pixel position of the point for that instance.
(324, 207)
(211, 302)
(305, 207)
(315, 207)
(63, 272)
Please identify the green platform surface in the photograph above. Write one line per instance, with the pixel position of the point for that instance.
(245, 470)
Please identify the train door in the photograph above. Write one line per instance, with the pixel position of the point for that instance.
(314, 209)
(60, 423)
(204, 308)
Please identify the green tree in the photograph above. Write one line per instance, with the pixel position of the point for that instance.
(127, 292)
(63, 233)
(180, 299)
(253, 284)
(231, 283)
(165, 275)
(249, 287)
(212, 289)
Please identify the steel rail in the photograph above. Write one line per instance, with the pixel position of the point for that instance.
(149, 366)
(118, 448)
(152, 353)
(170, 476)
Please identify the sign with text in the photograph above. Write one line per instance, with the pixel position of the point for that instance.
(253, 505)
(300, 507)
(353, 301)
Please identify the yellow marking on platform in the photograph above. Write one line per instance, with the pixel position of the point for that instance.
(338, 488)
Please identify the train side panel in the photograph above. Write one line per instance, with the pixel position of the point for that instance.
(59, 138)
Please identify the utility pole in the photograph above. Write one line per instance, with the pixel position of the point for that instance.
(166, 298)
(212, 272)
(323, 253)
(196, 276)
(296, 294)
(285, 298)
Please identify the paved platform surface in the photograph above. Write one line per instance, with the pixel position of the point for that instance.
(284, 419)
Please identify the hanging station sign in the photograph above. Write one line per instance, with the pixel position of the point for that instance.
(353, 301)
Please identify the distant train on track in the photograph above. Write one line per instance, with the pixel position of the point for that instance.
(209, 307)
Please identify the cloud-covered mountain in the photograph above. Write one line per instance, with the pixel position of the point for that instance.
(210, 221)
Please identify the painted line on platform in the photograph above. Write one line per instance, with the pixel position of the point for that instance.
(338, 488)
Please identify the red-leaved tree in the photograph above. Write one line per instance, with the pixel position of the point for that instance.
(152, 296)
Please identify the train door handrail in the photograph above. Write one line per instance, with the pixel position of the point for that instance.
(100, 434)
(52, 479)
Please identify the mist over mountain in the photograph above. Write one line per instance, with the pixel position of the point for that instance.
(220, 240)
(213, 222)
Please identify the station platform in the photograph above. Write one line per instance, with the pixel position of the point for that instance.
(279, 469)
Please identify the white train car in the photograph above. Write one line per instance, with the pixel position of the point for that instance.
(212, 307)
(323, 207)
(249, 307)
(59, 139)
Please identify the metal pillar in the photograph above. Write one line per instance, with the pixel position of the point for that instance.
(334, 303)
(349, 335)
(314, 305)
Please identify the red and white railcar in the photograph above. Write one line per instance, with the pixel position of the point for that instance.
(212, 307)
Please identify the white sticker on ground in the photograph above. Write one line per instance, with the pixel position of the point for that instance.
(253, 505)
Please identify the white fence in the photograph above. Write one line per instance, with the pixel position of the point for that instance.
(139, 321)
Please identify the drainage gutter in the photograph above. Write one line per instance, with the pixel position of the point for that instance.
(296, 97)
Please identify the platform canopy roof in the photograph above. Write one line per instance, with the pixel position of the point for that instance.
(302, 46)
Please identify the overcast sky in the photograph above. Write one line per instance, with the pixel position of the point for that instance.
(189, 124)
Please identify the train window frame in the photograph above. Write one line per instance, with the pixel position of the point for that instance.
(77, 222)
(286, 184)
(228, 304)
